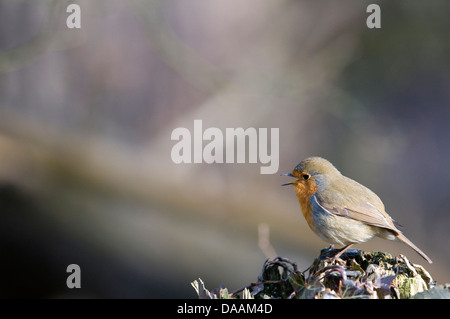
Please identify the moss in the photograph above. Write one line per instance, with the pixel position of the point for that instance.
(356, 274)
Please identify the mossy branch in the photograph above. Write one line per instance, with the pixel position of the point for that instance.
(357, 274)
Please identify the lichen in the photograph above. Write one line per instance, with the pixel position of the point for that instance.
(356, 274)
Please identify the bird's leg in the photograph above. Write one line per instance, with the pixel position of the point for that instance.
(343, 250)
(327, 250)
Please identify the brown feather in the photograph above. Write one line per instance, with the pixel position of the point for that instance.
(363, 205)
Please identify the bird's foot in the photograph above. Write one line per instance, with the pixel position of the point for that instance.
(338, 254)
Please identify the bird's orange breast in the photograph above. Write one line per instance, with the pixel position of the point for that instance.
(304, 192)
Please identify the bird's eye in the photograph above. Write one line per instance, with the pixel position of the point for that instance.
(305, 176)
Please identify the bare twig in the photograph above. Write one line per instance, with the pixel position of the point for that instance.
(264, 241)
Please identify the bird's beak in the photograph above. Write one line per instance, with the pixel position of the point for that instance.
(290, 183)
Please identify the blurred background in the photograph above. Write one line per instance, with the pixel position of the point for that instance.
(86, 117)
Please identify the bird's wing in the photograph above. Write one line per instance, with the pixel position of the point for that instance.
(366, 213)
(368, 209)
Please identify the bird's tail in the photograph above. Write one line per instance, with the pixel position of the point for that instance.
(402, 238)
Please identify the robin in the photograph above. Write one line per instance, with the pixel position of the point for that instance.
(340, 210)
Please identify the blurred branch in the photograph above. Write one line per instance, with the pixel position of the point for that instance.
(177, 55)
(10, 59)
(264, 241)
